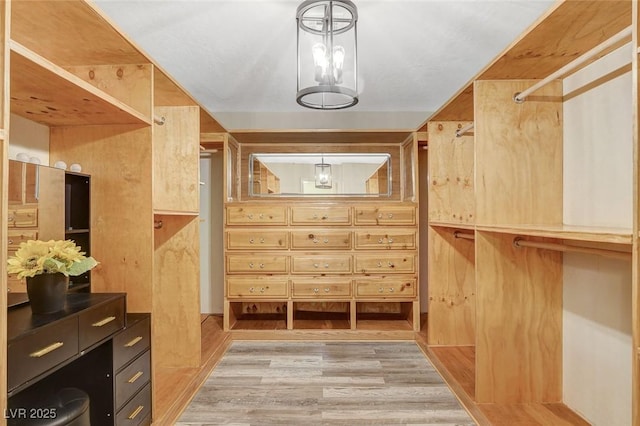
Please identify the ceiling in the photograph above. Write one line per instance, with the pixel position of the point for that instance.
(237, 58)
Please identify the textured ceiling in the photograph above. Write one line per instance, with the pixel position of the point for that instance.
(238, 57)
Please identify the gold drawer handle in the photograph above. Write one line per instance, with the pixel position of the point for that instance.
(102, 322)
(136, 412)
(132, 342)
(135, 377)
(42, 352)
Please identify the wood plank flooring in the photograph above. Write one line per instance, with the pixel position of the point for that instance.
(327, 383)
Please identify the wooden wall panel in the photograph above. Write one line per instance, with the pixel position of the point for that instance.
(451, 179)
(452, 288)
(635, 260)
(130, 84)
(518, 322)
(176, 156)
(518, 154)
(118, 158)
(4, 177)
(176, 292)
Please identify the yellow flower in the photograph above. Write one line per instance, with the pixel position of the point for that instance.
(47, 257)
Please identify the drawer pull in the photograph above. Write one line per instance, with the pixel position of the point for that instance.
(326, 290)
(250, 215)
(42, 352)
(103, 322)
(261, 240)
(390, 215)
(262, 290)
(315, 290)
(132, 342)
(250, 265)
(391, 265)
(326, 265)
(261, 216)
(390, 289)
(380, 241)
(379, 264)
(10, 242)
(135, 377)
(262, 266)
(135, 412)
(326, 240)
(251, 289)
(315, 265)
(381, 290)
(250, 240)
(390, 240)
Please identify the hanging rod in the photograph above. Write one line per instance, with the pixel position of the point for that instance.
(519, 242)
(521, 96)
(465, 235)
(461, 131)
(159, 120)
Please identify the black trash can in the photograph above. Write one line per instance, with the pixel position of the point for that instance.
(67, 407)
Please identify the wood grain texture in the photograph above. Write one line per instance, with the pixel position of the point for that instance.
(635, 260)
(176, 293)
(452, 289)
(118, 158)
(327, 383)
(167, 92)
(46, 93)
(132, 84)
(4, 192)
(518, 154)
(176, 153)
(519, 322)
(451, 174)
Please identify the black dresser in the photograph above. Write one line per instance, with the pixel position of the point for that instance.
(92, 345)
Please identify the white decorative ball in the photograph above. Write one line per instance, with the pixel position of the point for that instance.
(22, 156)
(35, 160)
(75, 167)
(60, 165)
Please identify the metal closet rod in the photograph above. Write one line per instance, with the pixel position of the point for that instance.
(520, 97)
(465, 235)
(519, 242)
(461, 131)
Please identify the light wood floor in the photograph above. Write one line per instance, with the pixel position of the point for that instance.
(328, 383)
(176, 387)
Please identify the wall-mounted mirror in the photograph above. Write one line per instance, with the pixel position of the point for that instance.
(317, 174)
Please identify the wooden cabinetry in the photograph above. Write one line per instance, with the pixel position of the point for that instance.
(514, 215)
(136, 132)
(287, 257)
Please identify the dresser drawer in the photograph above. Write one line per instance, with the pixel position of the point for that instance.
(386, 240)
(265, 215)
(386, 288)
(320, 288)
(320, 239)
(257, 287)
(100, 322)
(316, 264)
(257, 239)
(385, 215)
(389, 263)
(252, 263)
(36, 353)
(15, 237)
(320, 215)
(132, 378)
(132, 341)
(22, 217)
(136, 410)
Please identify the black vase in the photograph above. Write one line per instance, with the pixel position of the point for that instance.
(47, 292)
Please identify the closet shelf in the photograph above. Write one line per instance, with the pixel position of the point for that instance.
(48, 94)
(594, 234)
(175, 213)
(467, 226)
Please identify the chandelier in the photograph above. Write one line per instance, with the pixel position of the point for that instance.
(323, 174)
(327, 59)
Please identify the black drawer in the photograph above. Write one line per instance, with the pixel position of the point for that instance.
(137, 410)
(37, 352)
(101, 322)
(132, 378)
(131, 342)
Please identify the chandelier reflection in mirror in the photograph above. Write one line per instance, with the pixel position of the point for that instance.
(327, 54)
(323, 175)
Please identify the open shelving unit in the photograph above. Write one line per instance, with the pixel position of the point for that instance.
(501, 177)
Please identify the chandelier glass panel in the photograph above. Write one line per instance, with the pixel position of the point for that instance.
(327, 54)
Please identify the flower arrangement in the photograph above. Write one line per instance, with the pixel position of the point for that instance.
(36, 257)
